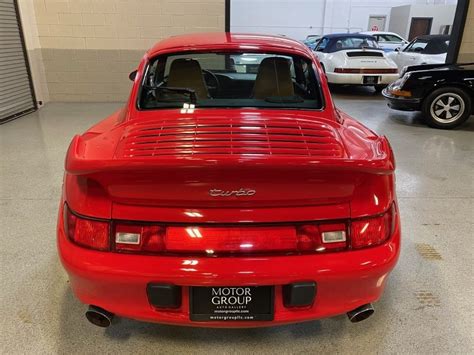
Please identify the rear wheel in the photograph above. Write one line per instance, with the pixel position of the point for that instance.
(447, 108)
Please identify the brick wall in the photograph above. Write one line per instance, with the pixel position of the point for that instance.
(466, 52)
(88, 47)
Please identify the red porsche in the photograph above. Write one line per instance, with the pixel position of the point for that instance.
(228, 192)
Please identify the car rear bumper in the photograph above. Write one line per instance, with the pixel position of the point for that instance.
(401, 103)
(358, 79)
(118, 282)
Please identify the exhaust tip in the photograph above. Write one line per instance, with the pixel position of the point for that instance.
(361, 313)
(99, 317)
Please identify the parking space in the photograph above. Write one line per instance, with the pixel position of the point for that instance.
(427, 306)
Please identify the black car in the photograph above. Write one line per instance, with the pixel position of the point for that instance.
(443, 92)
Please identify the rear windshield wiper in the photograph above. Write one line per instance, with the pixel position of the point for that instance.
(188, 93)
(284, 99)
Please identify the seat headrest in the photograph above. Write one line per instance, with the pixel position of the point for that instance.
(273, 78)
(187, 73)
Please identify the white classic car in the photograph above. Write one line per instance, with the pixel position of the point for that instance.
(430, 49)
(388, 41)
(355, 59)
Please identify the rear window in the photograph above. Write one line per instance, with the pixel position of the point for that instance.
(344, 43)
(243, 79)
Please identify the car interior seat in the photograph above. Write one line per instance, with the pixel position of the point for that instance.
(187, 73)
(273, 78)
(364, 44)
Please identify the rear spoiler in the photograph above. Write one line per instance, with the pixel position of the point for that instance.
(77, 162)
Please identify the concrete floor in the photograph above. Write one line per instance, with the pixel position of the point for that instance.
(427, 306)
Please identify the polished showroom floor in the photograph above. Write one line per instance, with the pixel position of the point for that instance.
(427, 306)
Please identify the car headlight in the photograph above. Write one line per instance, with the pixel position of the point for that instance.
(404, 78)
(396, 87)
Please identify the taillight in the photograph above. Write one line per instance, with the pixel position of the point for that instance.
(366, 70)
(86, 232)
(374, 230)
(316, 237)
(243, 240)
(347, 70)
(139, 238)
(212, 240)
(322, 237)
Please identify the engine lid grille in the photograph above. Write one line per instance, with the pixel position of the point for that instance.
(224, 136)
(364, 54)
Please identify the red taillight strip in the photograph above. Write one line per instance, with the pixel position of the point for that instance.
(312, 237)
(365, 71)
(234, 239)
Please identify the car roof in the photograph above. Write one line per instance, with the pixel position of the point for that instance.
(430, 37)
(213, 40)
(346, 35)
(379, 33)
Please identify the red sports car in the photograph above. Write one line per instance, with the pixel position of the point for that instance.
(228, 192)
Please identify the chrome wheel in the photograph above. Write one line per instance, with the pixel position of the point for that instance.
(447, 107)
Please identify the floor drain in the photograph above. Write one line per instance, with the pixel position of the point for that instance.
(428, 252)
(427, 299)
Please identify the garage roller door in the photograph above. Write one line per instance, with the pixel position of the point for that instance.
(16, 92)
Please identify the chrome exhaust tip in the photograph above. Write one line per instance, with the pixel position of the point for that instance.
(361, 313)
(99, 317)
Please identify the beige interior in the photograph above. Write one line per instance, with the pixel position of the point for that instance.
(273, 78)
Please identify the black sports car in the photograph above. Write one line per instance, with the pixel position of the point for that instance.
(443, 92)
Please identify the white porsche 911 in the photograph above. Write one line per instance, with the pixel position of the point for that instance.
(355, 59)
(430, 49)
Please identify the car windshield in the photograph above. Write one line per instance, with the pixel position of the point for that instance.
(311, 40)
(428, 46)
(389, 38)
(230, 80)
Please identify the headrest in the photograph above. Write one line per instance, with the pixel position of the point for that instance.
(273, 78)
(187, 73)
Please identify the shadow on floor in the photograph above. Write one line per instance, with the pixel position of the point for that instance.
(78, 335)
(415, 119)
(354, 92)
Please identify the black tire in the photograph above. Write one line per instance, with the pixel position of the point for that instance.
(379, 88)
(446, 108)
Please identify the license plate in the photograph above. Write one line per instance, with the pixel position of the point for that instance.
(223, 303)
(370, 80)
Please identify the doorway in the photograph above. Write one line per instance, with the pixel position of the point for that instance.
(420, 26)
(16, 89)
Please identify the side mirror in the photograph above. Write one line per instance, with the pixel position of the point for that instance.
(133, 75)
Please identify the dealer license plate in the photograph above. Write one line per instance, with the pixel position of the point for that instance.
(231, 303)
(371, 80)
